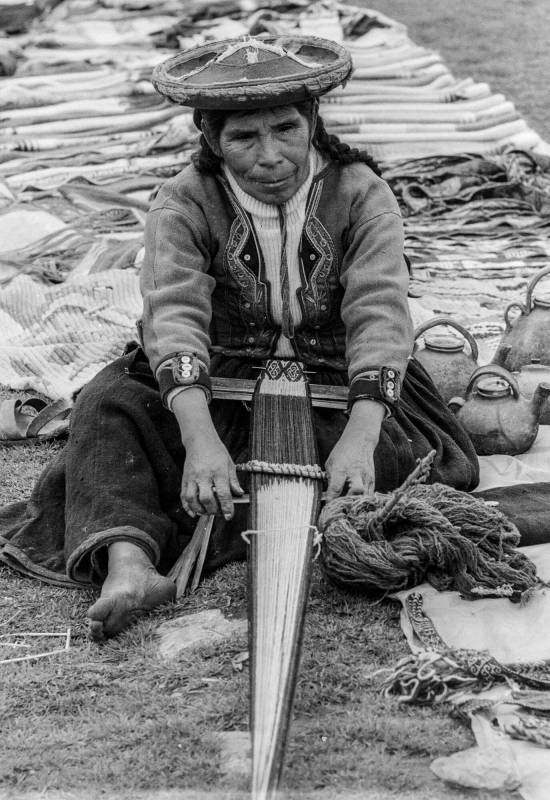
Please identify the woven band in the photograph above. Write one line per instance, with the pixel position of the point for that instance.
(184, 370)
(383, 385)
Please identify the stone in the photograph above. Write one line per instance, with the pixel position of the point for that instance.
(235, 752)
(188, 632)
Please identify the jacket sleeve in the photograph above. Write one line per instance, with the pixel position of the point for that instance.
(375, 278)
(175, 285)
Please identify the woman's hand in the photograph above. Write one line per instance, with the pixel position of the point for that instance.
(351, 462)
(209, 478)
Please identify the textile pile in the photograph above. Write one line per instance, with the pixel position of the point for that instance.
(480, 657)
(85, 142)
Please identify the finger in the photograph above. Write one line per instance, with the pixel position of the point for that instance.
(225, 499)
(186, 507)
(356, 485)
(207, 498)
(234, 484)
(191, 497)
(368, 483)
(336, 482)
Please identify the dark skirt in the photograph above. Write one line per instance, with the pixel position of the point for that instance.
(119, 475)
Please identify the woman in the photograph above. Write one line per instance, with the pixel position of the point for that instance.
(278, 241)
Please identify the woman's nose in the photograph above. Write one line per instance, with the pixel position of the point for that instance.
(269, 152)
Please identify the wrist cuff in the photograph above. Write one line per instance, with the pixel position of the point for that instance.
(183, 370)
(382, 384)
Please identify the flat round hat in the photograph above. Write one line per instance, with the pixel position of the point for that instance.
(253, 72)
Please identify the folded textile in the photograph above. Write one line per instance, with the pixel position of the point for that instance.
(527, 505)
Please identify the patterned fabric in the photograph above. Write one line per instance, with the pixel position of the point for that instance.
(481, 665)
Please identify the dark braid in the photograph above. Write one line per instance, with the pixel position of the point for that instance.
(204, 159)
(330, 146)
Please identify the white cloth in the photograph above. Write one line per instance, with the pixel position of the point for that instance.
(503, 628)
(530, 467)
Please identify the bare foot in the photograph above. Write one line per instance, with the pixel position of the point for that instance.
(132, 586)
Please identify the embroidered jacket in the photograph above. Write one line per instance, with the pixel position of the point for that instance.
(204, 286)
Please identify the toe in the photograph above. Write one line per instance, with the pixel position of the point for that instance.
(110, 615)
(95, 630)
(98, 614)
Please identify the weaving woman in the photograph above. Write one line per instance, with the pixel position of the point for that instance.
(277, 241)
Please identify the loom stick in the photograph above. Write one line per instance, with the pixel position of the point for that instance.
(202, 553)
(283, 511)
(183, 567)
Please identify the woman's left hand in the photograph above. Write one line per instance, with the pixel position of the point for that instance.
(351, 462)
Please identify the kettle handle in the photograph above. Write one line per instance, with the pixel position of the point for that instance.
(509, 307)
(436, 321)
(529, 294)
(493, 369)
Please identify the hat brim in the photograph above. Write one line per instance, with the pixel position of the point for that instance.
(196, 78)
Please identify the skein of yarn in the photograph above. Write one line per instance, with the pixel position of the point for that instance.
(427, 532)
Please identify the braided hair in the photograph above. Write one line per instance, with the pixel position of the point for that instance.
(330, 146)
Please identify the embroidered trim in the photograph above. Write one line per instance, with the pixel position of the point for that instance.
(184, 370)
(382, 384)
(315, 291)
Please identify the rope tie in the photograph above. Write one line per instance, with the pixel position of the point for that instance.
(317, 537)
(312, 471)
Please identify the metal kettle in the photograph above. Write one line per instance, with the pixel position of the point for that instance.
(528, 336)
(496, 416)
(528, 378)
(445, 356)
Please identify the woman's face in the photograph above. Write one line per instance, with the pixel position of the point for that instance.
(267, 151)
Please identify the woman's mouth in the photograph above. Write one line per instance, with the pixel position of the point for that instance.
(273, 184)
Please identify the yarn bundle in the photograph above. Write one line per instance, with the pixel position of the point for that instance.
(379, 544)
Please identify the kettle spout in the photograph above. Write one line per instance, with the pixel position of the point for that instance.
(540, 396)
(501, 354)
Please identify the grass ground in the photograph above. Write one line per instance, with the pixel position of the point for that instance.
(115, 721)
(503, 42)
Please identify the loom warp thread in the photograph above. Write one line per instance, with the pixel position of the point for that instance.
(433, 533)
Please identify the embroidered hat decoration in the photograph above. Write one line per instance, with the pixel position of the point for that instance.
(253, 72)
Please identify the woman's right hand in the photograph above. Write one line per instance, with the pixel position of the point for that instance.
(209, 478)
